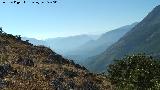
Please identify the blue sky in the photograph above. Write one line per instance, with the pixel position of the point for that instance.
(71, 17)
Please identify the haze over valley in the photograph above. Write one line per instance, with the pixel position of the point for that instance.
(80, 45)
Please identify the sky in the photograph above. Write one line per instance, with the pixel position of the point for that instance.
(70, 17)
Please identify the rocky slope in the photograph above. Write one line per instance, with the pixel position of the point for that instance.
(24, 66)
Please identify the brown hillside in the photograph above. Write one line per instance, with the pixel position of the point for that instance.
(24, 66)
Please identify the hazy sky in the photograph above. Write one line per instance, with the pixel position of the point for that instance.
(71, 17)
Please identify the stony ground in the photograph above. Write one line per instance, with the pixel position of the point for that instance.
(24, 66)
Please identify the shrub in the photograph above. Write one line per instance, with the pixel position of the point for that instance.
(48, 73)
(135, 72)
(70, 74)
(71, 85)
(25, 61)
(57, 84)
(4, 70)
(3, 83)
(89, 85)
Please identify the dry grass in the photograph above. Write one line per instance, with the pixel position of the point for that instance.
(43, 76)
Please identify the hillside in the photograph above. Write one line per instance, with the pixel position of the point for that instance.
(143, 38)
(24, 66)
(95, 47)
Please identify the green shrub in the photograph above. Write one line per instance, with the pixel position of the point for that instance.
(140, 72)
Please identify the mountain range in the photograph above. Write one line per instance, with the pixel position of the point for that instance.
(96, 54)
(95, 47)
(63, 44)
(80, 47)
(143, 38)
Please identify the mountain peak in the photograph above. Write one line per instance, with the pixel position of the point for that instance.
(153, 15)
(157, 7)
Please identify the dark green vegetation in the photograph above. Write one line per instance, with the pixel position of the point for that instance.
(144, 37)
(136, 72)
(24, 66)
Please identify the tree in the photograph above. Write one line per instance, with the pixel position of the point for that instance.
(18, 37)
(136, 72)
(1, 31)
(27, 41)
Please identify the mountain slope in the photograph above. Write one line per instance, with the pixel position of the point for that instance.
(95, 47)
(144, 37)
(24, 66)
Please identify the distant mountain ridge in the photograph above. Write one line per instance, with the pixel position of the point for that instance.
(80, 47)
(95, 47)
(63, 44)
(143, 38)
